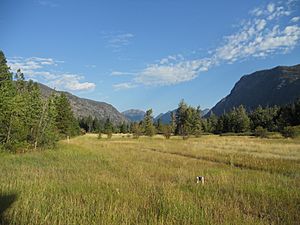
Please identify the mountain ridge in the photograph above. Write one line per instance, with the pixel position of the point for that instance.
(83, 107)
(276, 86)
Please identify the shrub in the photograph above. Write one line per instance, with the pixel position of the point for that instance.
(82, 131)
(167, 131)
(185, 137)
(260, 132)
(291, 132)
(109, 135)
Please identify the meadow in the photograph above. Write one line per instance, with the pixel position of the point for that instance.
(123, 180)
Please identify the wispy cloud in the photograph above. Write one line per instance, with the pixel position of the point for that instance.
(117, 41)
(119, 73)
(37, 68)
(123, 86)
(295, 19)
(264, 33)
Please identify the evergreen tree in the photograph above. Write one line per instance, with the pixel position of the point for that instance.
(65, 120)
(108, 127)
(148, 123)
(173, 122)
(241, 120)
(26, 120)
(264, 117)
(96, 125)
(123, 128)
(7, 105)
(181, 118)
(196, 122)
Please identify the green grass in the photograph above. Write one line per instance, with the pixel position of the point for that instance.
(152, 181)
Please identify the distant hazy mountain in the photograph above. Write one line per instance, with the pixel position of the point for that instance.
(134, 115)
(277, 86)
(165, 118)
(85, 107)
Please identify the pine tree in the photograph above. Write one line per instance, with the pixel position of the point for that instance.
(108, 126)
(241, 120)
(7, 94)
(196, 122)
(96, 125)
(181, 118)
(65, 120)
(89, 121)
(148, 123)
(123, 128)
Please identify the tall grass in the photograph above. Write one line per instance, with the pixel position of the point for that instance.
(152, 181)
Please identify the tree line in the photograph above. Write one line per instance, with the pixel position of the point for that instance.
(27, 121)
(187, 121)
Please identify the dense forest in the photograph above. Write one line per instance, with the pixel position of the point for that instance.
(28, 121)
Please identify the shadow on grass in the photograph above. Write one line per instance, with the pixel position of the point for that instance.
(5, 202)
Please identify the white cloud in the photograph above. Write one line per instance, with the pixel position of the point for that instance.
(260, 24)
(258, 37)
(295, 19)
(271, 7)
(42, 69)
(123, 86)
(29, 64)
(119, 73)
(71, 82)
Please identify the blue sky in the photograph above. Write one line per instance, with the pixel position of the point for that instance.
(148, 54)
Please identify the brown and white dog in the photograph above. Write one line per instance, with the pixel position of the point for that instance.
(200, 180)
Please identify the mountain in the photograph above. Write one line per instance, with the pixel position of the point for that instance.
(134, 115)
(277, 86)
(165, 118)
(85, 107)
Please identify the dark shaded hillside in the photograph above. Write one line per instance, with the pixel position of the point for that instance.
(134, 115)
(85, 107)
(277, 86)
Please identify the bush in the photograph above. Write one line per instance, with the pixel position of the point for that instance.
(235, 134)
(167, 131)
(109, 135)
(260, 132)
(185, 137)
(136, 135)
(291, 132)
(82, 131)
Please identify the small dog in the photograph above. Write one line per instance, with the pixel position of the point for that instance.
(200, 180)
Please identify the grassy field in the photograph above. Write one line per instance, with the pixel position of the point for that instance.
(152, 181)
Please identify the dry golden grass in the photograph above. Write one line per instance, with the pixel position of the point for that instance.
(152, 181)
